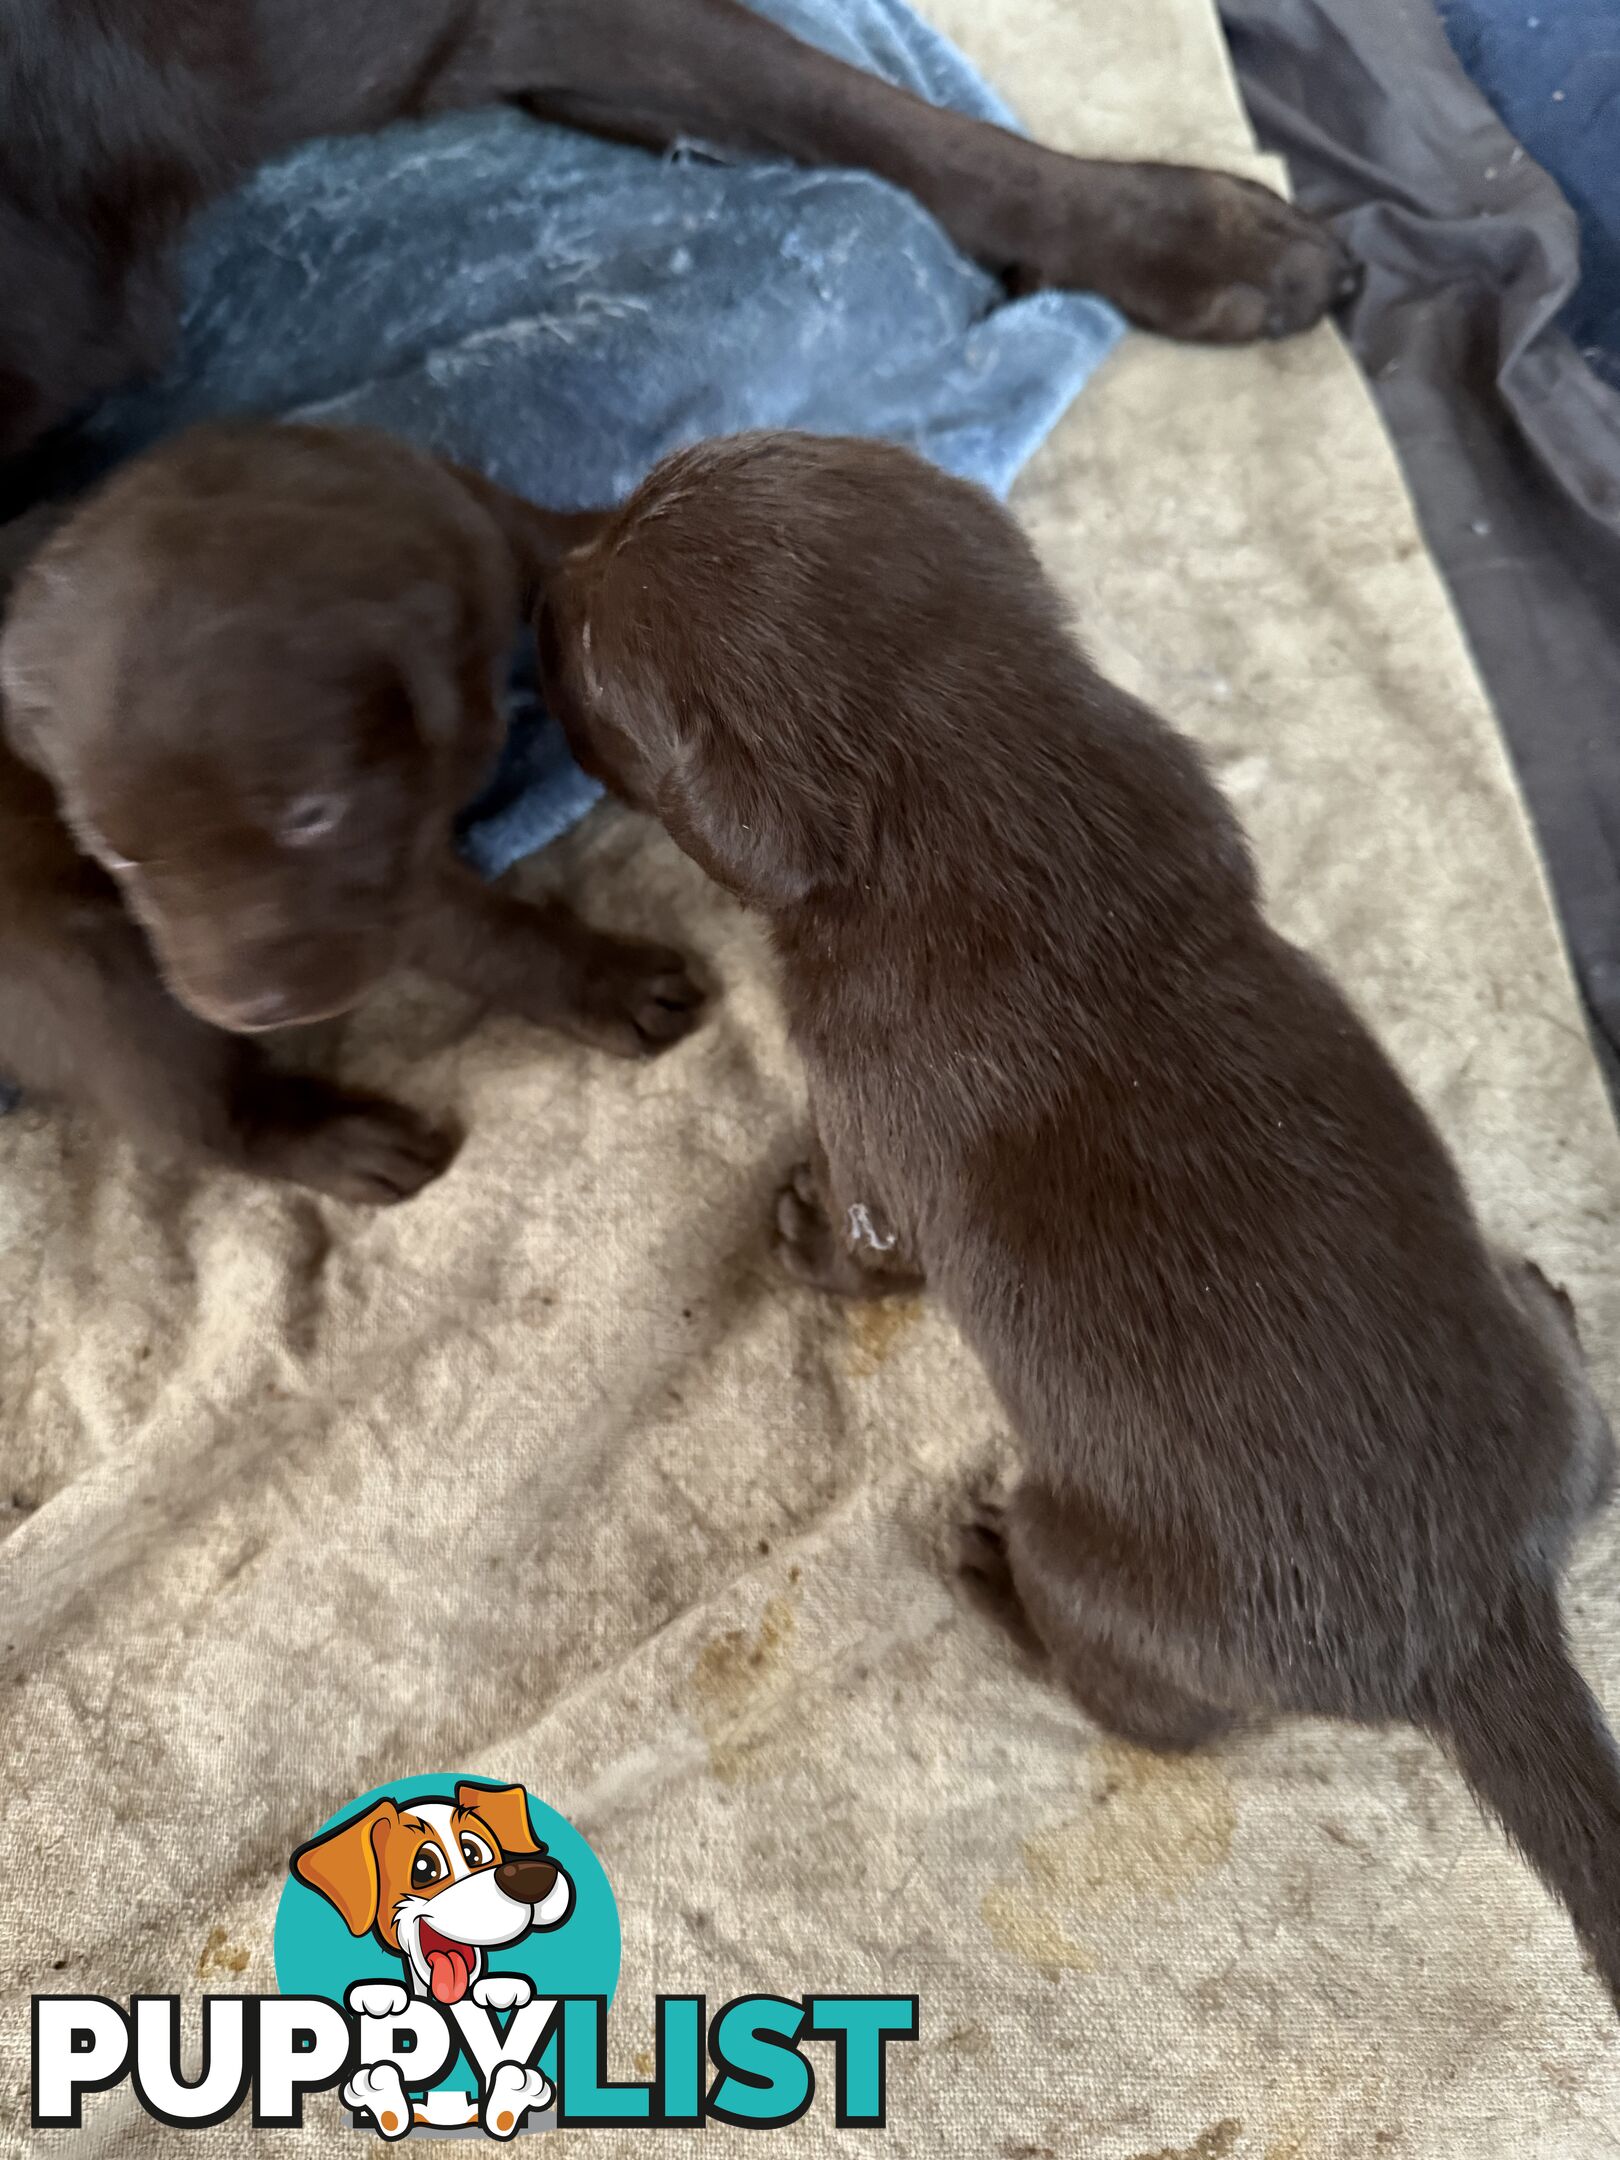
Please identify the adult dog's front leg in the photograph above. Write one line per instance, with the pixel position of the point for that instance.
(836, 1241)
(1193, 254)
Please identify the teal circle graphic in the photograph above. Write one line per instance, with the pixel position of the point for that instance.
(316, 1955)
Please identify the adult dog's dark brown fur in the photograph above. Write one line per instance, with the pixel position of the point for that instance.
(248, 686)
(1296, 1440)
(118, 118)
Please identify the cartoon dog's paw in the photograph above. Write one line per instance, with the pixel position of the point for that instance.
(378, 1999)
(380, 2090)
(513, 2091)
(503, 1991)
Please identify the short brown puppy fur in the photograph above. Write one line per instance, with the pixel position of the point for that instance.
(1295, 1439)
(247, 688)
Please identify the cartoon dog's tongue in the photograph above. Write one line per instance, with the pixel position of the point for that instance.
(450, 1966)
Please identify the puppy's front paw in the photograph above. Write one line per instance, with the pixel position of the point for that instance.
(359, 1148)
(371, 1155)
(634, 1000)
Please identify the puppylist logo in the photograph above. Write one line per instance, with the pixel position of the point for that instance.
(446, 1949)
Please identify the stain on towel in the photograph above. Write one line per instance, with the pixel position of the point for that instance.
(1154, 1827)
(737, 1687)
(874, 1329)
(220, 1955)
(1214, 2144)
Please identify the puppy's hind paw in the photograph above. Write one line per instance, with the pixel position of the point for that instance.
(803, 1236)
(981, 1551)
(984, 1572)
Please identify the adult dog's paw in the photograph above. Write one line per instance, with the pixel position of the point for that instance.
(1203, 256)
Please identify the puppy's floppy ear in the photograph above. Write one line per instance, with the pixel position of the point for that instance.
(736, 829)
(505, 1809)
(419, 638)
(342, 1865)
(399, 658)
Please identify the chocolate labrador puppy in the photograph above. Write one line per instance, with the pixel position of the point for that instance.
(248, 686)
(1296, 1440)
(119, 118)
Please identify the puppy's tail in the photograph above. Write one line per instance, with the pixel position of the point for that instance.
(1531, 1741)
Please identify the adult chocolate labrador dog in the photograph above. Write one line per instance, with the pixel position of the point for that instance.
(119, 118)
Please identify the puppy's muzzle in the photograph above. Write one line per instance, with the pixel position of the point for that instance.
(249, 988)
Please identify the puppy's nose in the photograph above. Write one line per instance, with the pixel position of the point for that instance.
(529, 1881)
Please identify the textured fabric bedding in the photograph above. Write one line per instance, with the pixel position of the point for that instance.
(548, 1477)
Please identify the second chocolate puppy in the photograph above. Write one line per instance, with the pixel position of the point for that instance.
(260, 671)
(1296, 1439)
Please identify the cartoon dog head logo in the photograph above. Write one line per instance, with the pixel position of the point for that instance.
(439, 1882)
